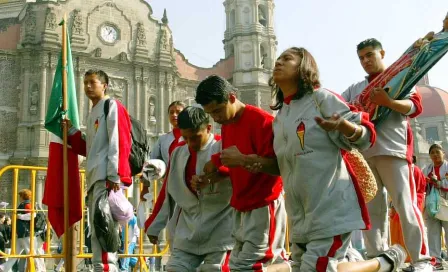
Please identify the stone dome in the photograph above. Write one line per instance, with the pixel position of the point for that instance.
(434, 100)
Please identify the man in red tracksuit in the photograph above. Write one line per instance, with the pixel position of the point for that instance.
(259, 219)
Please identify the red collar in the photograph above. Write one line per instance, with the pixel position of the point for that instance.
(288, 99)
(176, 133)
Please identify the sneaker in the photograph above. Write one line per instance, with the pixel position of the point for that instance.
(353, 255)
(437, 266)
(410, 268)
(395, 255)
(423, 266)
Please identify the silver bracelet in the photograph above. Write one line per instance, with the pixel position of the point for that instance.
(350, 138)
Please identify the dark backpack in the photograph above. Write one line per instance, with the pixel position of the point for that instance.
(40, 224)
(139, 148)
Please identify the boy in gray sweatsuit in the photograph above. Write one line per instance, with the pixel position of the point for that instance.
(101, 145)
(203, 238)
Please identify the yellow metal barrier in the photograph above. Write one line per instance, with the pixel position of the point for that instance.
(32, 254)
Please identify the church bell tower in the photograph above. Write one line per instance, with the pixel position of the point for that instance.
(250, 37)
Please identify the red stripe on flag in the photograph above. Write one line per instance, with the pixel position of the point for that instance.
(54, 188)
(104, 261)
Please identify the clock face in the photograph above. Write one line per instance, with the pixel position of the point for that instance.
(109, 33)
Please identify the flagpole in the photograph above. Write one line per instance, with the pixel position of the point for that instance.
(68, 236)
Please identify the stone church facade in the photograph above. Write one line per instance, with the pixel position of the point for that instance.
(136, 50)
(147, 72)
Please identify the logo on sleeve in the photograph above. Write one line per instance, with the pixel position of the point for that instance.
(301, 134)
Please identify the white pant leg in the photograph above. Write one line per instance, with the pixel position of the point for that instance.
(320, 255)
(445, 228)
(20, 247)
(181, 261)
(215, 262)
(397, 176)
(434, 227)
(260, 237)
(40, 262)
(377, 238)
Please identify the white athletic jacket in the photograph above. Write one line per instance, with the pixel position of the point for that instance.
(168, 210)
(443, 177)
(204, 224)
(394, 136)
(321, 199)
(161, 148)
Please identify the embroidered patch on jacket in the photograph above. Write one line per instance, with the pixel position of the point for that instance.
(301, 134)
(96, 125)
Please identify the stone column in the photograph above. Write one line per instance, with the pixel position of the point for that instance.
(53, 64)
(81, 96)
(256, 15)
(162, 105)
(43, 91)
(145, 116)
(169, 95)
(137, 96)
(40, 178)
(128, 95)
(25, 94)
(256, 55)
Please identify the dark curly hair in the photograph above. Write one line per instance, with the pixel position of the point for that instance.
(308, 73)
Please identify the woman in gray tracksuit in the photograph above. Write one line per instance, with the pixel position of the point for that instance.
(203, 239)
(312, 129)
(436, 174)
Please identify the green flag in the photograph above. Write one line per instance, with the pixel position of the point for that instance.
(54, 185)
(54, 110)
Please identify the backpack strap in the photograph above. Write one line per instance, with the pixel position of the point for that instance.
(106, 107)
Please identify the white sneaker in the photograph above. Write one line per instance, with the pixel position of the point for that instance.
(353, 255)
(395, 255)
(424, 266)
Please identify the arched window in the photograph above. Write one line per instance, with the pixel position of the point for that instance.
(262, 15)
(264, 60)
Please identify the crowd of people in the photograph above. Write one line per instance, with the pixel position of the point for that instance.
(226, 199)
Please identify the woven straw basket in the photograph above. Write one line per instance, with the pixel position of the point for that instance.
(364, 175)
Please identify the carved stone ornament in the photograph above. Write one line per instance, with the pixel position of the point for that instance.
(50, 20)
(98, 52)
(34, 99)
(116, 88)
(141, 36)
(123, 56)
(77, 27)
(151, 111)
(170, 81)
(165, 39)
(30, 24)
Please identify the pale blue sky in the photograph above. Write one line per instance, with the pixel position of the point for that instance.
(329, 29)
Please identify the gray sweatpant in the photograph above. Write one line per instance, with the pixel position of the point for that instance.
(321, 255)
(395, 174)
(101, 259)
(434, 228)
(259, 237)
(181, 261)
